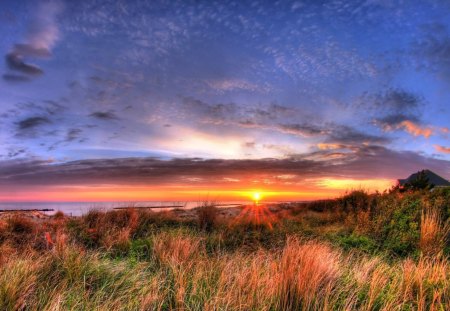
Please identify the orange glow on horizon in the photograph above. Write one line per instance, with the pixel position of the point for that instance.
(307, 190)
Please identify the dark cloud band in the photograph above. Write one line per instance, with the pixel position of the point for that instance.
(365, 163)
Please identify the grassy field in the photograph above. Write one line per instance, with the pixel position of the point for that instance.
(385, 251)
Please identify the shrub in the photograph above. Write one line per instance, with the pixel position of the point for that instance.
(321, 205)
(401, 234)
(354, 201)
(360, 242)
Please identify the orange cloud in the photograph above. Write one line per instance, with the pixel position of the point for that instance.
(326, 146)
(416, 129)
(442, 149)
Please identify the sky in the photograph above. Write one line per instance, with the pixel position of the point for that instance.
(182, 100)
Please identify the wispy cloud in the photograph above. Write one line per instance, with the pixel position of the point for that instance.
(415, 129)
(41, 36)
(32, 122)
(223, 85)
(442, 149)
(104, 115)
(432, 50)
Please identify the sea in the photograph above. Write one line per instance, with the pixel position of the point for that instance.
(80, 208)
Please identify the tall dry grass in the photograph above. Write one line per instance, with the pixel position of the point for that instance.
(136, 260)
(303, 275)
(207, 216)
(307, 274)
(434, 232)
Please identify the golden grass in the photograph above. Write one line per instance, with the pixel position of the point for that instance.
(304, 275)
(433, 232)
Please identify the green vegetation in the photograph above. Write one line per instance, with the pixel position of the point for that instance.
(359, 252)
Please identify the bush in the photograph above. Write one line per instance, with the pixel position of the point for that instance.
(401, 234)
(360, 242)
(351, 203)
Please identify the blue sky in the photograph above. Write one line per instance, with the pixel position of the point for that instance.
(331, 82)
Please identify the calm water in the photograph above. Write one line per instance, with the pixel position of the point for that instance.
(79, 208)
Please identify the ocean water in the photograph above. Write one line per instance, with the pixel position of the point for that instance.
(80, 208)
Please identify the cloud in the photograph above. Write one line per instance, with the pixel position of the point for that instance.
(442, 149)
(32, 122)
(393, 101)
(38, 126)
(41, 36)
(330, 146)
(33, 51)
(271, 111)
(224, 85)
(366, 162)
(409, 124)
(342, 134)
(43, 31)
(303, 129)
(73, 134)
(415, 129)
(210, 111)
(104, 115)
(15, 152)
(275, 117)
(398, 100)
(15, 78)
(432, 50)
(15, 62)
(392, 121)
(398, 110)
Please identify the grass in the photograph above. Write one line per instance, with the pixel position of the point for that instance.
(207, 216)
(312, 258)
(433, 232)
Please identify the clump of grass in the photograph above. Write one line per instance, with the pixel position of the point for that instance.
(59, 215)
(71, 280)
(308, 273)
(3, 230)
(433, 232)
(207, 216)
(176, 249)
(20, 231)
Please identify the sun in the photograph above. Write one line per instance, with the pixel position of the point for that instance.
(256, 196)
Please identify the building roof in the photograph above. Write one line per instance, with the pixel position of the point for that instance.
(433, 179)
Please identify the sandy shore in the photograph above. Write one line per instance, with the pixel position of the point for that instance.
(36, 215)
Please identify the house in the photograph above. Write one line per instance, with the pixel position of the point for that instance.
(424, 176)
